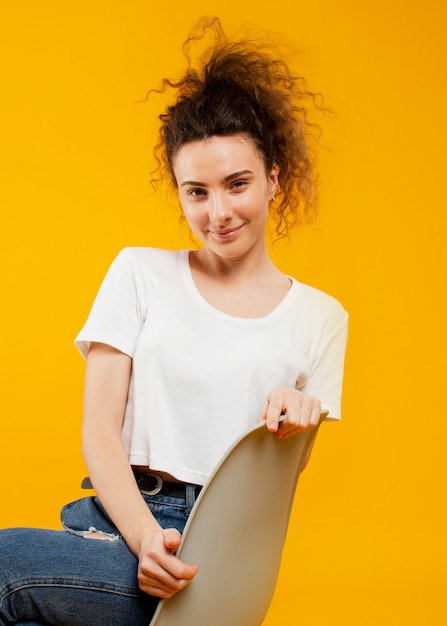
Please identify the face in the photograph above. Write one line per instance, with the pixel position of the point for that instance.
(225, 191)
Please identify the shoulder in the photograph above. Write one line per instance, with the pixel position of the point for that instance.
(140, 255)
(322, 326)
(135, 271)
(318, 302)
(318, 311)
(149, 262)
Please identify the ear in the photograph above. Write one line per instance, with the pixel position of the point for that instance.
(273, 179)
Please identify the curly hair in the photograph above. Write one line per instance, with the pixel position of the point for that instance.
(238, 86)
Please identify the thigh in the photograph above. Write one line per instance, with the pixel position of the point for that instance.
(55, 577)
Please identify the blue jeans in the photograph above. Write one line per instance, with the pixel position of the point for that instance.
(60, 578)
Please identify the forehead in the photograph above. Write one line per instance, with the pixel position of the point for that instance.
(217, 155)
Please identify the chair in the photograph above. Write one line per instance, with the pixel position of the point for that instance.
(236, 533)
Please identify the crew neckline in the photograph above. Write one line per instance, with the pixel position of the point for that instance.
(186, 269)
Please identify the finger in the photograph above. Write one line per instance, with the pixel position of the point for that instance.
(272, 419)
(316, 413)
(310, 413)
(168, 567)
(172, 539)
(170, 576)
(159, 562)
(276, 409)
(167, 578)
(308, 420)
(305, 411)
(155, 587)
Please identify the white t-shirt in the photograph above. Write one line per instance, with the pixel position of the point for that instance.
(199, 376)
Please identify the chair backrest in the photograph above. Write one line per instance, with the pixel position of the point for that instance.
(236, 533)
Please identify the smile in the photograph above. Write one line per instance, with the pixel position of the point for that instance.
(228, 233)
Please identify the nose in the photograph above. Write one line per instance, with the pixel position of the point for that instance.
(219, 209)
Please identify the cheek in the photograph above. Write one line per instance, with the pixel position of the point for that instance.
(196, 219)
(259, 205)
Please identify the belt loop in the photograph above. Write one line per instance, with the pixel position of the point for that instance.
(190, 498)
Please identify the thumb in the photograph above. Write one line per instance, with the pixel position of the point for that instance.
(172, 538)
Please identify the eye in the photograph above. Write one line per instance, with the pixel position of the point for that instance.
(239, 184)
(196, 192)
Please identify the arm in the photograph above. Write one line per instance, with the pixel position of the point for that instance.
(160, 573)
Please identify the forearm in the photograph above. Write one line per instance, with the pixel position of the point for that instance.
(106, 390)
(115, 485)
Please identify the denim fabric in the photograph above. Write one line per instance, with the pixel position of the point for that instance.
(60, 578)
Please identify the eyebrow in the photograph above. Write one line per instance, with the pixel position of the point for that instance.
(196, 183)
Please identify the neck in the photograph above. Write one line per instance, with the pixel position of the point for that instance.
(233, 270)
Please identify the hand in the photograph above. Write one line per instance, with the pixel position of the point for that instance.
(299, 410)
(160, 572)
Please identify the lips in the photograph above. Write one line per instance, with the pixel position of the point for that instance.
(226, 233)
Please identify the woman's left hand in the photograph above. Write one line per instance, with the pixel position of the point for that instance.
(288, 411)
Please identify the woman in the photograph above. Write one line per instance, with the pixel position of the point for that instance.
(186, 349)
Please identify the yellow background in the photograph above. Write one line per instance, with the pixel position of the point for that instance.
(367, 538)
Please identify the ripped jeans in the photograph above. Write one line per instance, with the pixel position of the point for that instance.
(55, 578)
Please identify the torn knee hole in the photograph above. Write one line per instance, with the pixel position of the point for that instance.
(96, 534)
(92, 533)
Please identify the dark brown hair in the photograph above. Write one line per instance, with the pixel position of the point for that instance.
(239, 86)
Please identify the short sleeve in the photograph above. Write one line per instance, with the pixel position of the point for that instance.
(326, 377)
(119, 310)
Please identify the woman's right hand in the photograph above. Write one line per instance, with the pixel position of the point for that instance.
(160, 572)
